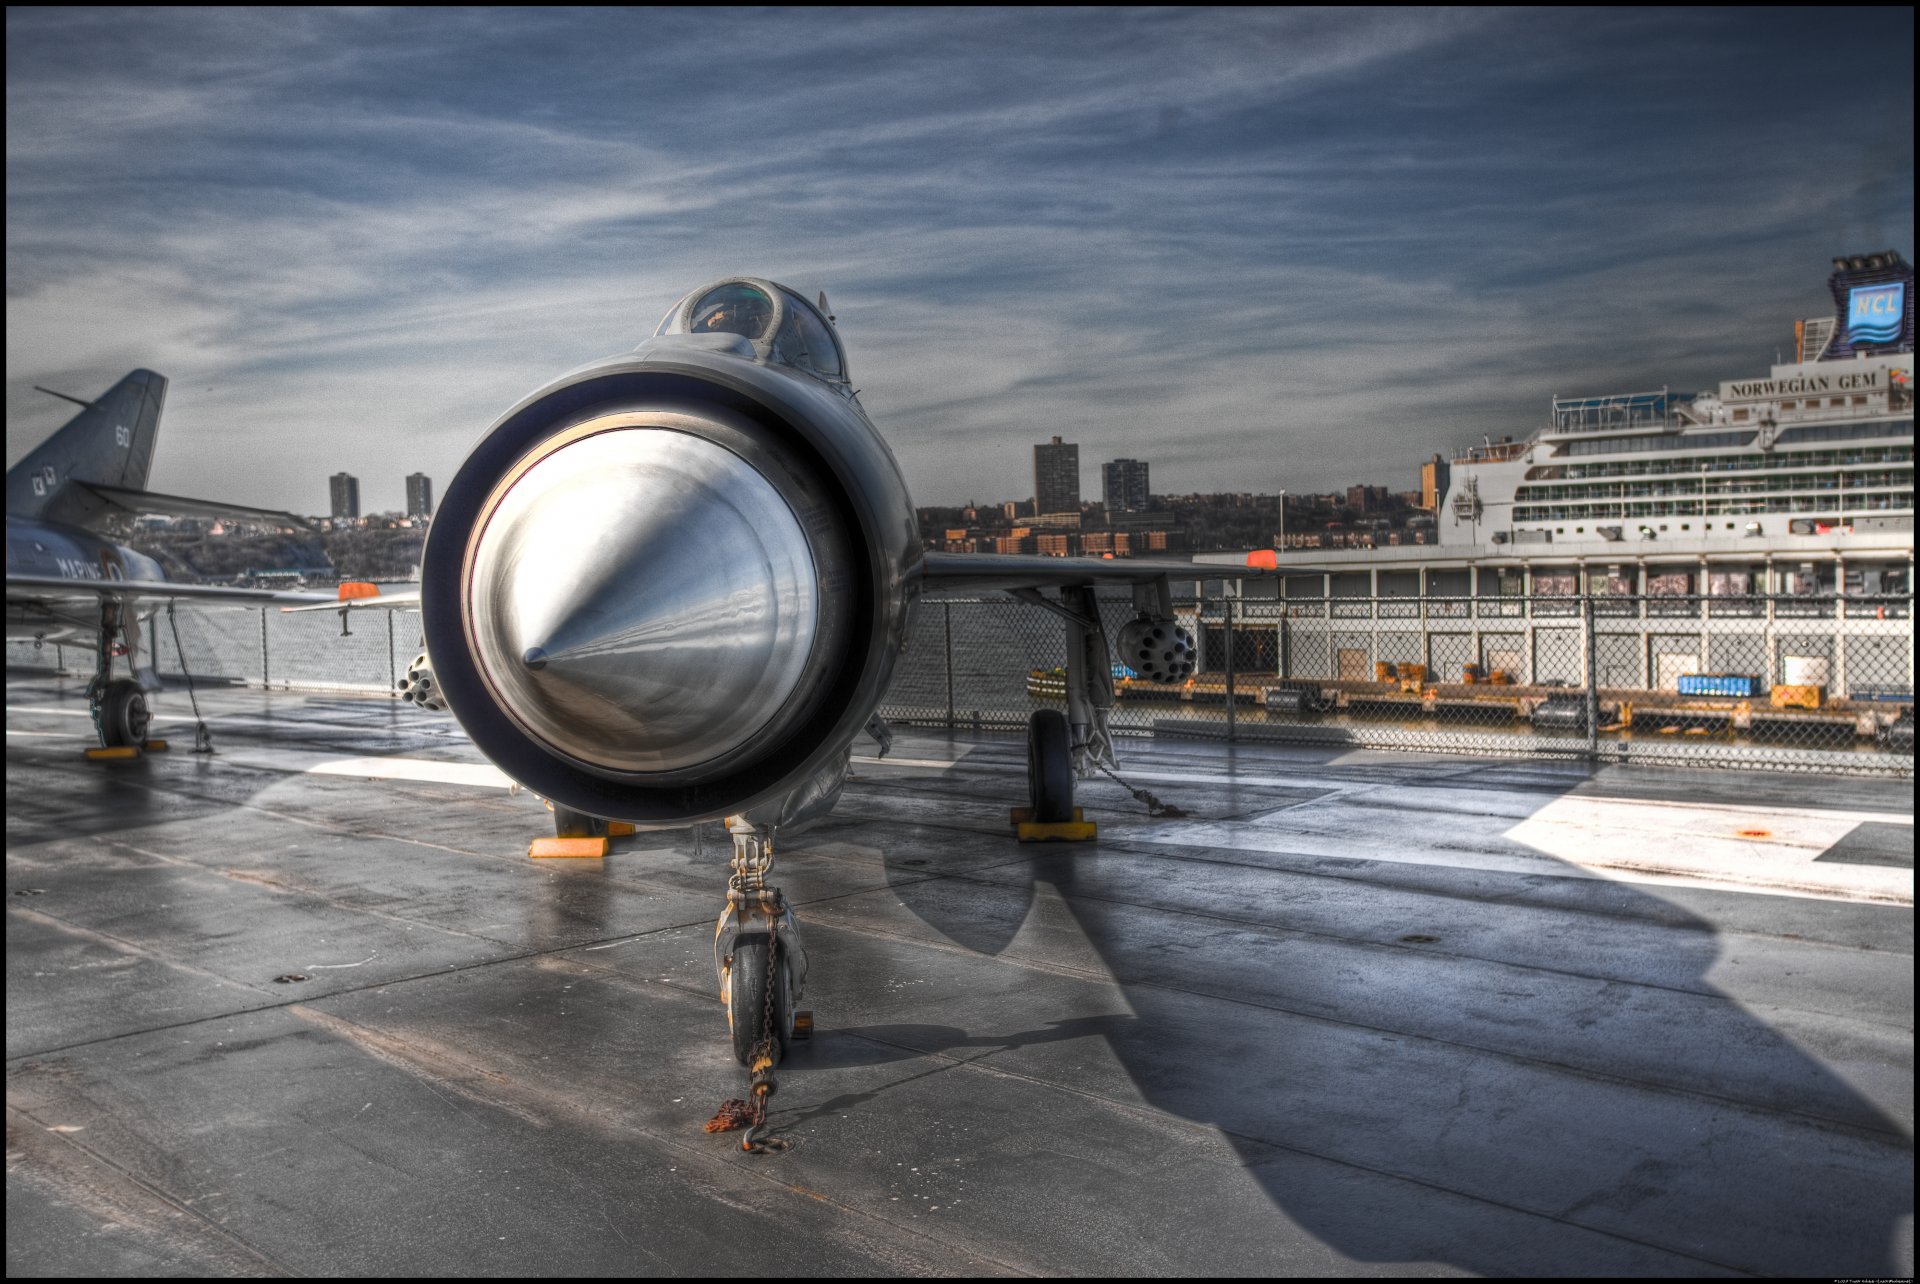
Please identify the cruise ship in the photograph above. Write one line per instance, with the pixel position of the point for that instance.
(1797, 484)
(1820, 447)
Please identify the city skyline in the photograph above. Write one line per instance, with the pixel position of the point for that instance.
(1357, 239)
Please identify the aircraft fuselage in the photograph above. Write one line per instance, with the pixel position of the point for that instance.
(50, 549)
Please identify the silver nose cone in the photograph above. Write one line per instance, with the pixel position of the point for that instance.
(642, 600)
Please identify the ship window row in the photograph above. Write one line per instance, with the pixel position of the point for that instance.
(1858, 399)
(1881, 479)
(1832, 403)
(1892, 502)
(1653, 588)
(1727, 463)
(1626, 445)
(1843, 432)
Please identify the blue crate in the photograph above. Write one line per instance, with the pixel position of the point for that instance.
(1718, 684)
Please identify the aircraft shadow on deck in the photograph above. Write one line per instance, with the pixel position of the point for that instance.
(1500, 1117)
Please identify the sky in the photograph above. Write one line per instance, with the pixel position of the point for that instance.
(1258, 249)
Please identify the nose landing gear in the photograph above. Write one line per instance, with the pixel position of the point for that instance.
(761, 966)
(757, 955)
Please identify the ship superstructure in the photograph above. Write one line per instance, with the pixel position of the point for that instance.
(1822, 446)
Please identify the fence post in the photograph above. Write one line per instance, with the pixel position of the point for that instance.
(393, 674)
(265, 670)
(1232, 704)
(1593, 687)
(948, 608)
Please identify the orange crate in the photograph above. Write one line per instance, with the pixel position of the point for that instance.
(1805, 696)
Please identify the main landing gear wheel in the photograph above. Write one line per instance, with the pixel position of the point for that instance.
(124, 718)
(568, 823)
(747, 998)
(1049, 767)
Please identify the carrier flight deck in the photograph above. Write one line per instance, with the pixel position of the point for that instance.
(306, 1006)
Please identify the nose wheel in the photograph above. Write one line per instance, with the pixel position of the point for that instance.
(759, 993)
(758, 958)
(761, 966)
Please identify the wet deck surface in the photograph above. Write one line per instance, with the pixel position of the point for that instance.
(1360, 1014)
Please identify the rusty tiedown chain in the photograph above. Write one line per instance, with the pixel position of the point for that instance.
(1145, 797)
(761, 1059)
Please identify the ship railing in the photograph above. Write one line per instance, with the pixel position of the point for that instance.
(1651, 411)
(1492, 453)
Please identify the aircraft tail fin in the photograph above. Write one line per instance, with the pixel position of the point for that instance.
(109, 443)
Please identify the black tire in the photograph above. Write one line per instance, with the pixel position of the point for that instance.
(1049, 767)
(747, 998)
(124, 718)
(568, 823)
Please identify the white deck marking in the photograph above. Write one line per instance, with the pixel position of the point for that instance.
(1761, 848)
(1450, 799)
(891, 761)
(475, 775)
(216, 721)
(1773, 850)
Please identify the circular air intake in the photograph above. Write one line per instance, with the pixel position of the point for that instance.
(644, 604)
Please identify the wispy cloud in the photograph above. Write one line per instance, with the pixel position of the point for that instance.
(1259, 248)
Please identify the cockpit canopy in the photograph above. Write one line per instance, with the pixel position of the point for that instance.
(782, 327)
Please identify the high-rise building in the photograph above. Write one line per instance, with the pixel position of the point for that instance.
(344, 490)
(1056, 477)
(1433, 483)
(419, 495)
(1126, 485)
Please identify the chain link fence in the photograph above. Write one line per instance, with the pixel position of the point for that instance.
(1786, 683)
(259, 648)
(1793, 683)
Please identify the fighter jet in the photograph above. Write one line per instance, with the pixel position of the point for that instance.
(66, 582)
(671, 587)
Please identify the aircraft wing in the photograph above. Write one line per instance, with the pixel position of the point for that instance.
(140, 502)
(993, 572)
(49, 590)
(404, 600)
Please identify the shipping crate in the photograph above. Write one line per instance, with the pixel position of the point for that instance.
(1737, 686)
(1804, 696)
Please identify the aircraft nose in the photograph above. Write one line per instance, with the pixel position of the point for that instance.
(642, 600)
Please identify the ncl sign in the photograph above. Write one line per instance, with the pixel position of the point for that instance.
(1875, 312)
